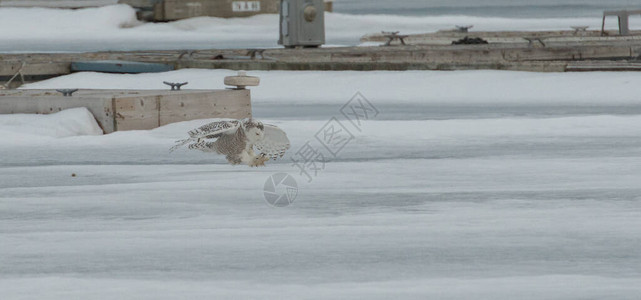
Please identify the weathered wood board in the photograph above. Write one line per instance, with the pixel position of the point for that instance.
(179, 9)
(119, 66)
(50, 101)
(177, 107)
(553, 57)
(118, 110)
(136, 112)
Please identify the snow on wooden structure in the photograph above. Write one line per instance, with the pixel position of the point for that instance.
(118, 110)
(57, 3)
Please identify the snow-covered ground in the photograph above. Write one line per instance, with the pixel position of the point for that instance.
(467, 185)
(116, 28)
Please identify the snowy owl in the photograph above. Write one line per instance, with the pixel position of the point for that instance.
(236, 140)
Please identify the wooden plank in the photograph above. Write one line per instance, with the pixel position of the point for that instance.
(178, 107)
(603, 66)
(9, 68)
(136, 113)
(50, 101)
(118, 110)
(151, 109)
(119, 66)
(565, 53)
(424, 57)
(180, 9)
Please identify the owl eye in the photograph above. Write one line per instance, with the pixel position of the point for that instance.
(257, 133)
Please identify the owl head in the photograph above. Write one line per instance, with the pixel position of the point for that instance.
(254, 130)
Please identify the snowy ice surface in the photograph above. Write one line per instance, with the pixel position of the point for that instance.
(467, 185)
(116, 28)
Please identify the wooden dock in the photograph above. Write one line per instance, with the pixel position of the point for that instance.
(128, 110)
(553, 56)
(550, 38)
(118, 110)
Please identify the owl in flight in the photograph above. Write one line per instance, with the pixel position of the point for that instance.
(236, 140)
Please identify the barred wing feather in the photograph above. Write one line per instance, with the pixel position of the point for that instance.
(213, 129)
(208, 131)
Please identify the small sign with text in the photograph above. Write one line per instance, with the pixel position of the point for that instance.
(243, 6)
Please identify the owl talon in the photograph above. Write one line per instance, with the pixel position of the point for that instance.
(259, 160)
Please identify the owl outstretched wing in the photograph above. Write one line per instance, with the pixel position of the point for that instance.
(208, 131)
(274, 142)
(214, 129)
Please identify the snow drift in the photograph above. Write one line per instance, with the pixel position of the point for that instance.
(19, 128)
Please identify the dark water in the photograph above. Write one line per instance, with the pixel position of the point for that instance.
(488, 8)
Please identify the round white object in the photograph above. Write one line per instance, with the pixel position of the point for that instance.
(242, 81)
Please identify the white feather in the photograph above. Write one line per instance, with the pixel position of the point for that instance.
(274, 142)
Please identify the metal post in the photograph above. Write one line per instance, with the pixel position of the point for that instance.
(624, 29)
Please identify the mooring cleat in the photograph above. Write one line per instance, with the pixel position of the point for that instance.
(254, 53)
(393, 35)
(175, 86)
(67, 92)
(464, 28)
